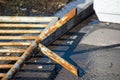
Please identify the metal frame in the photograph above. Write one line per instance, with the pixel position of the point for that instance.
(50, 28)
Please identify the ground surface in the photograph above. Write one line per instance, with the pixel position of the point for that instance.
(93, 62)
(31, 7)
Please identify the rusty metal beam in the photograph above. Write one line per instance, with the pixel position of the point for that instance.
(58, 59)
(19, 31)
(7, 58)
(18, 37)
(3, 66)
(15, 43)
(3, 25)
(24, 19)
(12, 50)
(45, 33)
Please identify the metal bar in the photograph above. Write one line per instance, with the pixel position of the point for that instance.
(3, 25)
(9, 58)
(3, 66)
(2, 74)
(58, 59)
(34, 44)
(12, 50)
(18, 37)
(45, 33)
(24, 19)
(19, 31)
(53, 21)
(17, 65)
(14, 43)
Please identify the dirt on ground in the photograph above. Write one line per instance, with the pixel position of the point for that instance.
(30, 7)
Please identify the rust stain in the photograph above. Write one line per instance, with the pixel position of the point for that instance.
(26, 54)
(25, 19)
(3, 66)
(14, 43)
(18, 37)
(24, 25)
(12, 50)
(58, 59)
(9, 58)
(59, 24)
(19, 31)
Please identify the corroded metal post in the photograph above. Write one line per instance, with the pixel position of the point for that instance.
(3, 25)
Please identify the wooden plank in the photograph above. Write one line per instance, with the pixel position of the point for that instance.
(58, 59)
(18, 37)
(19, 31)
(5, 66)
(4, 25)
(13, 58)
(24, 19)
(15, 43)
(12, 50)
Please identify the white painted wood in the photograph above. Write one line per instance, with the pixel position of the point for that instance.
(108, 10)
(104, 17)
